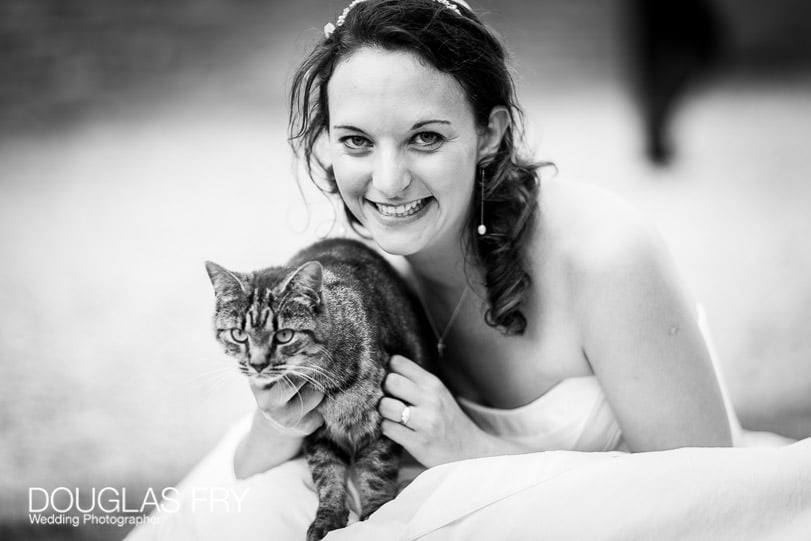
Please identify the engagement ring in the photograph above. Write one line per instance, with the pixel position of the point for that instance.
(405, 416)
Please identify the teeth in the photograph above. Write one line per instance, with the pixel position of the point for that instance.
(401, 211)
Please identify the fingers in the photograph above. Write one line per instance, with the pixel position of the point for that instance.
(310, 397)
(310, 423)
(402, 388)
(409, 382)
(278, 391)
(392, 409)
(397, 432)
(411, 370)
(289, 407)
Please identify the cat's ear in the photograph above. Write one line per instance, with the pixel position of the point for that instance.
(225, 282)
(306, 281)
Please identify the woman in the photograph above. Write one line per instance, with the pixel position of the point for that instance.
(560, 318)
(418, 114)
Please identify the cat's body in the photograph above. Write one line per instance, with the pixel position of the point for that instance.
(333, 317)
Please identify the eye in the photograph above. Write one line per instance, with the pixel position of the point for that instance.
(238, 335)
(428, 140)
(283, 336)
(356, 142)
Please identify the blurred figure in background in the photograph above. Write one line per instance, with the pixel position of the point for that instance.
(674, 43)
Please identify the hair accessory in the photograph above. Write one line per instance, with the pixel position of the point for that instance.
(329, 28)
(482, 229)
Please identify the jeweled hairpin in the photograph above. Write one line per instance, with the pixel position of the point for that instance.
(329, 28)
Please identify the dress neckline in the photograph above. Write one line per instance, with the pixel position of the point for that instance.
(549, 396)
(573, 414)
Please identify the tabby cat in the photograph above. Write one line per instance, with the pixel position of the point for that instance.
(332, 317)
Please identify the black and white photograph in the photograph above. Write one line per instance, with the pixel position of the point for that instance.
(400, 270)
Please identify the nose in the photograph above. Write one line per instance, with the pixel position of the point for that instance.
(259, 360)
(258, 365)
(391, 175)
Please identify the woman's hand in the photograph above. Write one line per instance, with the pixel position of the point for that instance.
(437, 430)
(284, 416)
(289, 405)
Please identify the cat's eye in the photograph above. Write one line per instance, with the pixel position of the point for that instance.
(238, 335)
(283, 336)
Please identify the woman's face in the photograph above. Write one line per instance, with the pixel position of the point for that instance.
(404, 147)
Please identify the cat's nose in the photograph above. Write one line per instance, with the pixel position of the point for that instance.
(259, 365)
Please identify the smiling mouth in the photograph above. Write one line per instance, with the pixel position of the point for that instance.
(401, 211)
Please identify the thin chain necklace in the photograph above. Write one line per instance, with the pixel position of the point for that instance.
(440, 338)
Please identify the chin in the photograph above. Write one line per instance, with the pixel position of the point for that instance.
(398, 244)
(398, 248)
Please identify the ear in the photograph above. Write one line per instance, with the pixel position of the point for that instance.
(225, 282)
(490, 137)
(306, 281)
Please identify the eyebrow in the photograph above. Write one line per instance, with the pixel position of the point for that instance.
(416, 126)
(425, 122)
(347, 127)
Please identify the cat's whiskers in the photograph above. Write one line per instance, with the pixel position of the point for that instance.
(328, 354)
(243, 368)
(292, 369)
(212, 379)
(328, 376)
(213, 373)
(298, 395)
(319, 387)
(218, 382)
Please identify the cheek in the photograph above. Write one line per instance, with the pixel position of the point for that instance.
(351, 175)
(287, 350)
(235, 351)
(298, 351)
(450, 179)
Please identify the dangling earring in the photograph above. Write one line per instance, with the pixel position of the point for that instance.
(482, 229)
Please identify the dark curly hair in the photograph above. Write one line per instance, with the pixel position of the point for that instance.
(460, 45)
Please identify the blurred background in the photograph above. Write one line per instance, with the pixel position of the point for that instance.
(138, 139)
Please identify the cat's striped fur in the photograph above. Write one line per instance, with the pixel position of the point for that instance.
(348, 311)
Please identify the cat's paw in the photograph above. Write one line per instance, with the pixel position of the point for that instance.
(325, 522)
(318, 530)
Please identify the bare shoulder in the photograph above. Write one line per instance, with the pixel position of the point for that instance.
(596, 253)
(612, 252)
(595, 230)
(634, 317)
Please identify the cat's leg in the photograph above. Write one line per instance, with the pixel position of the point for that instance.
(328, 466)
(376, 468)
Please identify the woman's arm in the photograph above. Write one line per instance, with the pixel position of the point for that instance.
(285, 414)
(640, 333)
(263, 447)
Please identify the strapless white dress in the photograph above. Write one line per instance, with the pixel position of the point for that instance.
(573, 415)
(523, 496)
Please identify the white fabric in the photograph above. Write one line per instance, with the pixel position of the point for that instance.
(686, 494)
(573, 415)
(683, 494)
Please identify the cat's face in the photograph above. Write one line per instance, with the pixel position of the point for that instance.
(272, 322)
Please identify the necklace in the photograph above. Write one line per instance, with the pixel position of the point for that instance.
(440, 338)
